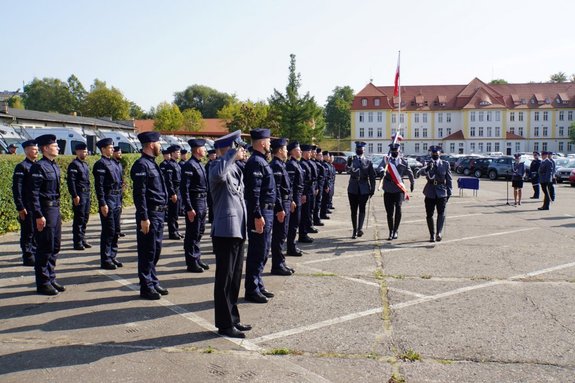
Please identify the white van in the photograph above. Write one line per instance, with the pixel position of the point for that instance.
(8, 136)
(173, 140)
(125, 140)
(67, 138)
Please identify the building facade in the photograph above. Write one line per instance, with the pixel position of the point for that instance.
(473, 118)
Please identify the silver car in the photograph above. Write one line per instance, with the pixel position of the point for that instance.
(564, 169)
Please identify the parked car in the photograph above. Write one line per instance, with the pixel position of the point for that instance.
(339, 163)
(480, 166)
(465, 165)
(572, 178)
(459, 160)
(503, 166)
(415, 166)
(451, 158)
(564, 172)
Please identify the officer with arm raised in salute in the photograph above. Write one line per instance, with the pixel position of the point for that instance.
(150, 201)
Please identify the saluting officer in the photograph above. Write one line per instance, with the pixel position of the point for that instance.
(393, 170)
(194, 190)
(78, 178)
(437, 191)
(360, 188)
(534, 174)
(108, 185)
(260, 196)
(284, 206)
(228, 233)
(172, 178)
(22, 193)
(150, 201)
(211, 159)
(46, 207)
(305, 223)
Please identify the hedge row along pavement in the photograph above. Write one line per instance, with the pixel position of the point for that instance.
(8, 213)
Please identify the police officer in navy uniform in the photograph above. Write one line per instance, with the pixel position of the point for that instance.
(284, 206)
(360, 188)
(327, 190)
(534, 174)
(22, 193)
(296, 176)
(228, 233)
(183, 157)
(437, 191)
(172, 177)
(306, 220)
(117, 156)
(211, 159)
(546, 175)
(194, 191)
(108, 185)
(151, 203)
(321, 180)
(393, 195)
(46, 208)
(78, 180)
(260, 196)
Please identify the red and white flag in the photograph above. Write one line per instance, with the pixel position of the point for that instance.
(396, 137)
(396, 82)
(396, 178)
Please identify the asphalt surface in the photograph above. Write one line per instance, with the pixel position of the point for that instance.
(493, 302)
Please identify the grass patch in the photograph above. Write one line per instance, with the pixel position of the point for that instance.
(409, 356)
(396, 379)
(379, 274)
(445, 361)
(324, 275)
(208, 350)
(398, 276)
(282, 351)
(426, 276)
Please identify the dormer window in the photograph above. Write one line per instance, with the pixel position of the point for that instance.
(547, 100)
(376, 102)
(558, 100)
(523, 101)
(364, 102)
(484, 103)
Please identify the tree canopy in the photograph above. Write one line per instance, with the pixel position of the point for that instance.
(168, 117)
(498, 81)
(206, 100)
(338, 112)
(248, 115)
(558, 77)
(53, 95)
(106, 102)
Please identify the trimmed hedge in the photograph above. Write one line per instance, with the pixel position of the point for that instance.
(8, 213)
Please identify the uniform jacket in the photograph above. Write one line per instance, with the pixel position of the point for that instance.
(283, 183)
(320, 175)
(107, 179)
(361, 176)
(296, 175)
(311, 173)
(534, 171)
(439, 179)
(22, 185)
(260, 184)
(402, 168)
(307, 177)
(227, 189)
(194, 182)
(78, 177)
(45, 185)
(546, 171)
(518, 171)
(148, 186)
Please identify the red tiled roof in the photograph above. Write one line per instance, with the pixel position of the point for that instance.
(455, 136)
(513, 136)
(211, 127)
(144, 125)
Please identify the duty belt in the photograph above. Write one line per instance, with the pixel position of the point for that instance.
(84, 189)
(50, 203)
(114, 192)
(436, 182)
(268, 206)
(158, 208)
(286, 197)
(198, 195)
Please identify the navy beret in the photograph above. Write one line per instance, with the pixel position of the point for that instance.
(359, 144)
(146, 137)
(517, 155)
(183, 151)
(305, 147)
(227, 140)
(318, 150)
(25, 144)
(80, 146)
(117, 149)
(325, 153)
(46, 139)
(278, 143)
(212, 151)
(259, 133)
(394, 147)
(104, 142)
(313, 147)
(292, 145)
(173, 148)
(435, 149)
(197, 142)
(536, 152)
(13, 146)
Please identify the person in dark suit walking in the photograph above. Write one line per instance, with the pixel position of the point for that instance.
(546, 178)
(22, 194)
(361, 187)
(437, 191)
(228, 233)
(79, 187)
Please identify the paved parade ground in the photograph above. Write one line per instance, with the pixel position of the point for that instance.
(493, 302)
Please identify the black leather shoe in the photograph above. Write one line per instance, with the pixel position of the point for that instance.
(290, 269)
(117, 263)
(390, 236)
(353, 235)
(28, 261)
(231, 332)
(122, 235)
(319, 224)
(313, 230)
(324, 217)
(306, 239)
(47, 290)
(108, 266)
(161, 290)
(438, 237)
(175, 237)
(256, 298)
(432, 239)
(266, 293)
(58, 286)
(394, 235)
(243, 327)
(281, 271)
(203, 265)
(542, 208)
(151, 295)
(87, 245)
(79, 247)
(195, 268)
(294, 253)
(360, 233)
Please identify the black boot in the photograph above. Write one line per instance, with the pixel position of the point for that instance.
(535, 192)
(431, 227)
(360, 224)
(354, 225)
(440, 222)
(390, 226)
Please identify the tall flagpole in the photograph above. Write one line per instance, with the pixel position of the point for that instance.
(399, 93)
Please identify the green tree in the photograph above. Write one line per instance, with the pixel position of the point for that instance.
(206, 100)
(192, 120)
(136, 112)
(498, 81)
(49, 95)
(247, 115)
(106, 102)
(558, 77)
(168, 117)
(338, 112)
(77, 91)
(297, 116)
(16, 102)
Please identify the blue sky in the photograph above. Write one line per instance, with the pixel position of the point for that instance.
(151, 49)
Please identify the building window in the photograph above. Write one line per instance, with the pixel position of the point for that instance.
(401, 118)
(545, 116)
(544, 146)
(379, 147)
(472, 116)
(480, 131)
(512, 116)
(370, 132)
(562, 115)
(370, 147)
(379, 116)
(416, 118)
(480, 116)
(536, 146)
(496, 147)
(536, 131)
(370, 117)
(561, 146)
(440, 132)
(452, 147)
(517, 147)
(561, 130)
(497, 115)
(416, 148)
(448, 117)
(380, 132)
(545, 131)
(488, 147)
(570, 115)
(439, 117)
(536, 116)
(393, 118)
(520, 115)
(497, 131)
(416, 133)
(376, 102)
(489, 129)
(488, 116)
(425, 147)
(512, 129)
(480, 147)
(472, 147)
(424, 132)
(424, 115)
(472, 131)
(360, 116)
(361, 132)
(448, 131)
(520, 132)
(364, 102)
